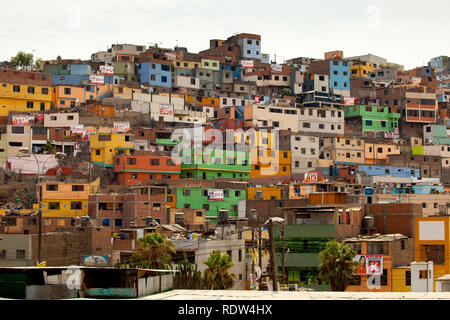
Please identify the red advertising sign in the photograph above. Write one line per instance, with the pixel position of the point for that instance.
(369, 264)
(215, 195)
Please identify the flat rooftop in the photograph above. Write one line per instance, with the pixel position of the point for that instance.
(244, 295)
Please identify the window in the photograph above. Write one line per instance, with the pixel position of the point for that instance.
(53, 205)
(163, 79)
(187, 206)
(97, 152)
(30, 89)
(20, 254)
(76, 205)
(77, 187)
(407, 278)
(131, 161)
(44, 90)
(206, 207)
(17, 130)
(152, 77)
(435, 253)
(118, 222)
(384, 278)
(67, 90)
(30, 104)
(186, 192)
(16, 88)
(104, 137)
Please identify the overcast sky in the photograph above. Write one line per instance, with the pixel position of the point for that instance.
(405, 32)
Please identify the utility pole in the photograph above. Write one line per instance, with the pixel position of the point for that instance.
(273, 263)
(259, 251)
(283, 255)
(253, 250)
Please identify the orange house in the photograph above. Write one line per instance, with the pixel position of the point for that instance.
(396, 250)
(139, 169)
(68, 96)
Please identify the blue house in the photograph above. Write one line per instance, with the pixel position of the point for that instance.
(403, 172)
(250, 47)
(156, 73)
(339, 75)
(236, 69)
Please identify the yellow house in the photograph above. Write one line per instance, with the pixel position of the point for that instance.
(263, 193)
(188, 64)
(401, 279)
(345, 150)
(301, 191)
(68, 96)
(361, 69)
(24, 91)
(432, 243)
(104, 147)
(378, 153)
(125, 92)
(266, 160)
(60, 199)
(211, 64)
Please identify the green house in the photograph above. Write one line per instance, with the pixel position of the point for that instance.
(374, 118)
(216, 164)
(304, 242)
(200, 198)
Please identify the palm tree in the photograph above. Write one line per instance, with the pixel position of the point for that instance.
(155, 253)
(217, 275)
(337, 265)
(188, 277)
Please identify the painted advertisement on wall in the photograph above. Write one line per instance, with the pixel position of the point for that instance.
(21, 121)
(107, 70)
(276, 67)
(96, 261)
(121, 127)
(416, 81)
(349, 101)
(247, 63)
(77, 129)
(369, 264)
(215, 195)
(166, 109)
(97, 79)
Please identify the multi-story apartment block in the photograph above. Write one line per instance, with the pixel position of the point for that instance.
(328, 121)
(343, 151)
(104, 147)
(338, 72)
(373, 118)
(24, 91)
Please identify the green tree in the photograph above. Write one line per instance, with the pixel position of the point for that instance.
(22, 60)
(337, 265)
(188, 277)
(49, 147)
(155, 252)
(286, 92)
(37, 63)
(217, 276)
